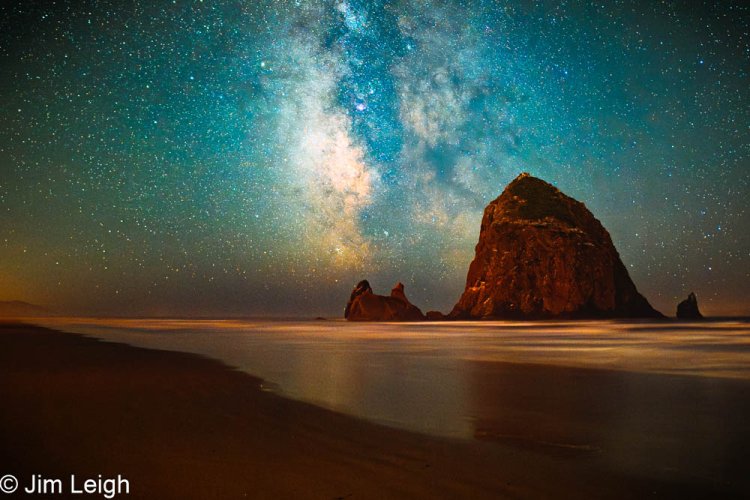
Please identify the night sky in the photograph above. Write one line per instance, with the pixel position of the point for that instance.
(261, 157)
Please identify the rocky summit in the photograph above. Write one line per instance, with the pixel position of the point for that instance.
(542, 254)
(364, 305)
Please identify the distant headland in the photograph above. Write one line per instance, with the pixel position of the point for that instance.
(17, 308)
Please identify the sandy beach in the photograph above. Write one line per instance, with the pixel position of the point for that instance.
(179, 425)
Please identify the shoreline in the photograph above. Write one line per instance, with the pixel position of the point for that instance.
(182, 425)
(686, 353)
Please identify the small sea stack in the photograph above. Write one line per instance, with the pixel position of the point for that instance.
(688, 308)
(364, 305)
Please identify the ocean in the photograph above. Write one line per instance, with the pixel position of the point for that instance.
(665, 398)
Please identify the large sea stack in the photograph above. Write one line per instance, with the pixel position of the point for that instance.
(542, 254)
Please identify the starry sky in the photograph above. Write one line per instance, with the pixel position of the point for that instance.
(260, 157)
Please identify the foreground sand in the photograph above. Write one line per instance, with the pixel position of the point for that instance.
(181, 426)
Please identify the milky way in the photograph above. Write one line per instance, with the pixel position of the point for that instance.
(261, 157)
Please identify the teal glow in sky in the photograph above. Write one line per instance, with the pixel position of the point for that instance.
(258, 157)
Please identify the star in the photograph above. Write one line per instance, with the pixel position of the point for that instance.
(224, 154)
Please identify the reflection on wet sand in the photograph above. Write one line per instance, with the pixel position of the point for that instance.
(421, 376)
(666, 427)
(661, 401)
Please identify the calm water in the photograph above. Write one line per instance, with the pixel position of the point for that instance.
(664, 401)
(425, 376)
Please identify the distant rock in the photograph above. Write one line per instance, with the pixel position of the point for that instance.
(19, 309)
(542, 254)
(364, 305)
(688, 308)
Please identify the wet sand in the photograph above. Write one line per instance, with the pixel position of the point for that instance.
(182, 426)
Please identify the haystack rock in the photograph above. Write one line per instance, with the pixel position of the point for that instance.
(364, 305)
(542, 254)
(688, 308)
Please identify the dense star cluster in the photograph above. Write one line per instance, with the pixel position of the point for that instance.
(261, 157)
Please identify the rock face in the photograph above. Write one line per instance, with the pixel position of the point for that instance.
(361, 288)
(688, 308)
(364, 305)
(542, 254)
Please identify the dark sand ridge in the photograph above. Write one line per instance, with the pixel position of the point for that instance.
(182, 426)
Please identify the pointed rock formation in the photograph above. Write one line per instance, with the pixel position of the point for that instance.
(688, 308)
(361, 288)
(542, 254)
(364, 305)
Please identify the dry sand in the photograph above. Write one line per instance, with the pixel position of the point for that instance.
(182, 426)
